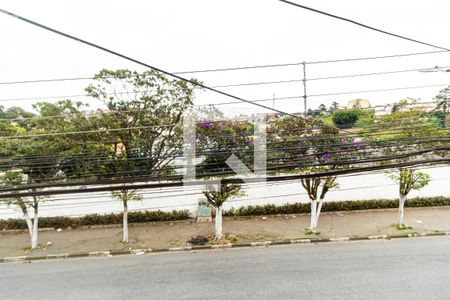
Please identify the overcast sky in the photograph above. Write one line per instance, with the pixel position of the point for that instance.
(179, 35)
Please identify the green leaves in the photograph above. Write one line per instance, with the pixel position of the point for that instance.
(223, 193)
(409, 179)
(127, 195)
(443, 100)
(345, 118)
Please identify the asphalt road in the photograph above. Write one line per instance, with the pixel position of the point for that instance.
(416, 268)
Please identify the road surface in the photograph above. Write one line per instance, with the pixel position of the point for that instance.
(416, 268)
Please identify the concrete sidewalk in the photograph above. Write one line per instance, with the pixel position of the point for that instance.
(243, 230)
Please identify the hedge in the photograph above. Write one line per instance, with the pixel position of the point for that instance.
(95, 219)
(299, 208)
(251, 210)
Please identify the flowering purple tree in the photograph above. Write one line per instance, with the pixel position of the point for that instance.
(296, 146)
(216, 141)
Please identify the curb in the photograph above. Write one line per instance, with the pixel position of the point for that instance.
(258, 244)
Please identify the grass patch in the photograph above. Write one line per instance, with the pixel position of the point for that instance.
(310, 232)
(402, 227)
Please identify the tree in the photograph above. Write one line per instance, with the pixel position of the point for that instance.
(142, 126)
(125, 195)
(40, 138)
(333, 107)
(408, 180)
(300, 147)
(15, 179)
(312, 187)
(413, 136)
(443, 100)
(324, 155)
(15, 115)
(437, 117)
(322, 108)
(217, 141)
(293, 148)
(314, 113)
(403, 104)
(19, 147)
(216, 197)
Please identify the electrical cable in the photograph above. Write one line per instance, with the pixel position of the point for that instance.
(363, 25)
(224, 181)
(193, 82)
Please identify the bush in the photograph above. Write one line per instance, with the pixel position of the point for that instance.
(94, 219)
(250, 210)
(299, 208)
(344, 118)
(437, 118)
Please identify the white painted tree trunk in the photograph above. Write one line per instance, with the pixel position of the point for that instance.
(125, 222)
(401, 205)
(312, 225)
(316, 207)
(319, 209)
(27, 220)
(34, 233)
(218, 224)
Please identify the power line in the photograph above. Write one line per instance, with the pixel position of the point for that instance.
(373, 73)
(82, 132)
(255, 100)
(294, 162)
(351, 59)
(48, 207)
(193, 82)
(320, 78)
(221, 86)
(363, 25)
(241, 68)
(380, 90)
(331, 94)
(166, 193)
(203, 182)
(205, 151)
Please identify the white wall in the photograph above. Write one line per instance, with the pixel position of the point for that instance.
(357, 187)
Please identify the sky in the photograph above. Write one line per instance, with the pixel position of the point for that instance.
(178, 35)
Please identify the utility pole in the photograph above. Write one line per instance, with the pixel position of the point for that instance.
(304, 86)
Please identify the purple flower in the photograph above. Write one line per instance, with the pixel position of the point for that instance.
(206, 125)
(326, 156)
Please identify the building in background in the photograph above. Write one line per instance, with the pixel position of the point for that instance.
(358, 104)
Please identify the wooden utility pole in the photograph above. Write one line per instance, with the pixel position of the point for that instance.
(304, 87)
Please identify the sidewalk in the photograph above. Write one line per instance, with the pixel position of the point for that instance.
(244, 229)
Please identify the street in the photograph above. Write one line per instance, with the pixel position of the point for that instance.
(398, 269)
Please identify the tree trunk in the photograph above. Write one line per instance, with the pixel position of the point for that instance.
(313, 225)
(316, 207)
(319, 209)
(27, 220)
(401, 205)
(218, 224)
(34, 233)
(125, 222)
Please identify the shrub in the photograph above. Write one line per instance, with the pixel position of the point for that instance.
(437, 118)
(95, 219)
(250, 210)
(345, 117)
(299, 208)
